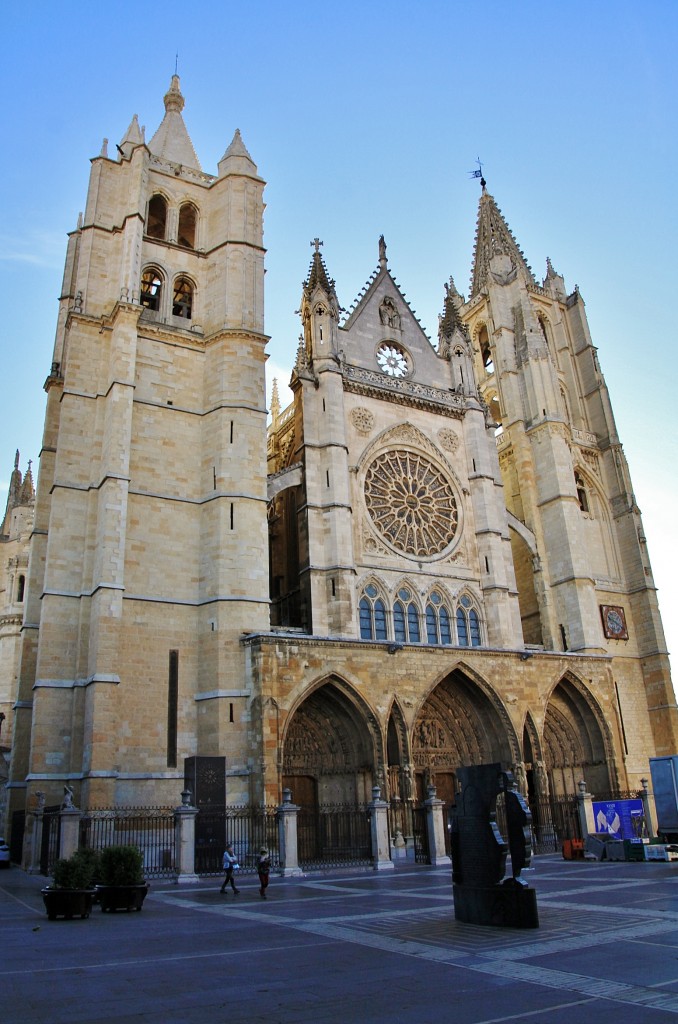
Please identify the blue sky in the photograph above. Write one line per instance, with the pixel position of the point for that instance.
(366, 119)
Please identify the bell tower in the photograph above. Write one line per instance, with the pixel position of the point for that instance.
(584, 577)
(151, 506)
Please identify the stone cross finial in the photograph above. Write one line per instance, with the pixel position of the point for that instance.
(317, 243)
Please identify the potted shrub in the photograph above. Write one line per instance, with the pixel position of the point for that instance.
(72, 889)
(122, 885)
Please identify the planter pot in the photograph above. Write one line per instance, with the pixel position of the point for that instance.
(67, 903)
(121, 897)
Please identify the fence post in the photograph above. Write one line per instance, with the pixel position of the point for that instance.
(587, 822)
(184, 840)
(288, 844)
(435, 828)
(647, 809)
(381, 850)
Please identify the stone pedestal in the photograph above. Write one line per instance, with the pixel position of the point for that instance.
(287, 837)
(69, 824)
(435, 827)
(184, 833)
(381, 851)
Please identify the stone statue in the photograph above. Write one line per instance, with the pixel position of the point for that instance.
(67, 802)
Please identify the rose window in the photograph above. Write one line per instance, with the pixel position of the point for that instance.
(392, 360)
(411, 503)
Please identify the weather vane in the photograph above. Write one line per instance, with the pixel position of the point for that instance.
(176, 63)
(478, 173)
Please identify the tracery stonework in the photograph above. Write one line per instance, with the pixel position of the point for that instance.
(411, 503)
(449, 439)
(362, 419)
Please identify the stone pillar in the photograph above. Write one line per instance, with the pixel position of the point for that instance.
(587, 822)
(435, 828)
(381, 851)
(287, 836)
(69, 826)
(648, 809)
(184, 840)
(33, 859)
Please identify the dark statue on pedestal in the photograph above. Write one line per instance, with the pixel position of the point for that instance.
(481, 893)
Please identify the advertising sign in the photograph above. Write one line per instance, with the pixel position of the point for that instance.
(623, 819)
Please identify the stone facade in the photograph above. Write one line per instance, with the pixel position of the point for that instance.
(457, 567)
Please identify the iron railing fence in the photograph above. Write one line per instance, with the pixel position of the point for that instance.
(334, 835)
(51, 839)
(246, 828)
(420, 836)
(151, 829)
(554, 818)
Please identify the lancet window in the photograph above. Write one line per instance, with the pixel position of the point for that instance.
(182, 301)
(468, 623)
(188, 221)
(438, 627)
(156, 221)
(151, 288)
(372, 614)
(405, 618)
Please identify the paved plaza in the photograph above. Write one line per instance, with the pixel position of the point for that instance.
(356, 947)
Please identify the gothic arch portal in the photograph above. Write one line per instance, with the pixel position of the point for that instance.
(576, 740)
(332, 749)
(461, 722)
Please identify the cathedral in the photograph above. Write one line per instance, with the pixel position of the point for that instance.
(432, 558)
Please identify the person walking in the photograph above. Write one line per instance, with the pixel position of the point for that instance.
(263, 870)
(229, 864)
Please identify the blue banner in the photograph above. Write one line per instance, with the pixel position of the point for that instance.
(624, 819)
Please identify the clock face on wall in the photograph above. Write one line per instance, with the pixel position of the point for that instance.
(614, 622)
(392, 360)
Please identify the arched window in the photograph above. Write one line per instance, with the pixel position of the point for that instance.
(20, 589)
(372, 615)
(468, 623)
(485, 350)
(188, 220)
(582, 497)
(151, 288)
(405, 618)
(156, 221)
(182, 302)
(437, 620)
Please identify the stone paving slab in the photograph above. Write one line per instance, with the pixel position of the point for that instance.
(365, 947)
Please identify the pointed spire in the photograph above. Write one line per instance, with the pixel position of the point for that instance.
(21, 492)
(317, 273)
(132, 138)
(275, 402)
(171, 143)
(301, 362)
(554, 283)
(494, 238)
(27, 494)
(450, 320)
(236, 159)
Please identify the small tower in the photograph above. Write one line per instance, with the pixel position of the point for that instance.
(325, 537)
(15, 534)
